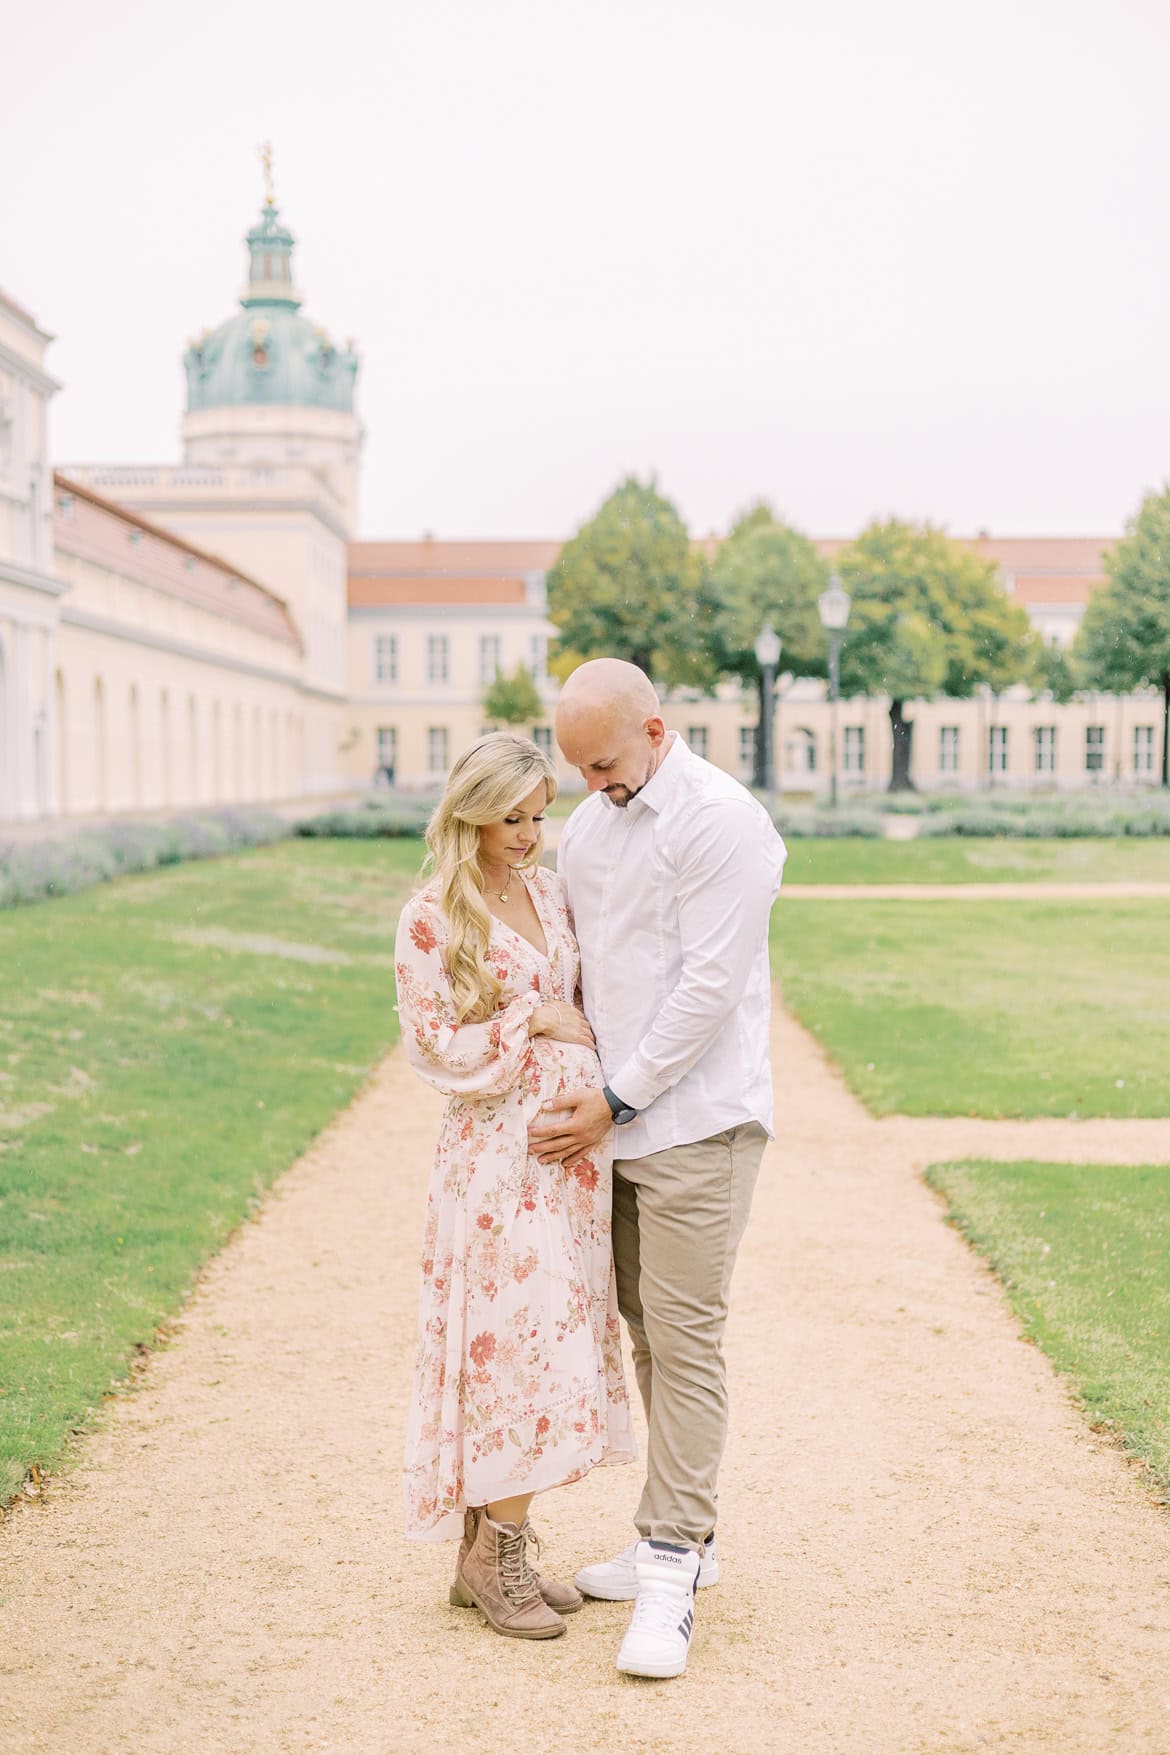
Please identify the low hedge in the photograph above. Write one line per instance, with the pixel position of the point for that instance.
(36, 871)
(1052, 820)
(393, 815)
(829, 824)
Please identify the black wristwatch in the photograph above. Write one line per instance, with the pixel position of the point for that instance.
(620, 1111)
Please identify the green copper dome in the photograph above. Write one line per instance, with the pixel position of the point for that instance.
(268, 353)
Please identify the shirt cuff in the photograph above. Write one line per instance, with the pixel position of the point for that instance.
(634, 1087)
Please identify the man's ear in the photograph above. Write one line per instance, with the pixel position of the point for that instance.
(655, 730)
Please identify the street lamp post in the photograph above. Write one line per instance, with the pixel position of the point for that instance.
(768, 657)
(833, 608)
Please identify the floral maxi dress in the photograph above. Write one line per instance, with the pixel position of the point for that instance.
(519, 1383)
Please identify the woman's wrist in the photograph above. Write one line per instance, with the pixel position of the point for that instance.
(541, 1020)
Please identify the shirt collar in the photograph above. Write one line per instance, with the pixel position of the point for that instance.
(666, 776)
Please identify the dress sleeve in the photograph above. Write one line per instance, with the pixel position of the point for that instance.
(461, 1060)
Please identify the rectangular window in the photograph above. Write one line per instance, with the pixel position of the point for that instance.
(437, 760)
(1143, 749)
(542, 738)
(854, 753)
(388, 749)
(1094, 749)
(386, 658)
(697, 738)
(489, 657)
(997, 749)
(747, 752)
(1044, 748)
(538, 657)
(948, 749)
(438, 660)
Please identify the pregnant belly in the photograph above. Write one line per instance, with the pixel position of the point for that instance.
(568, 1068)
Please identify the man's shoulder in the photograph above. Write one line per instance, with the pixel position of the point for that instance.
(711, 788)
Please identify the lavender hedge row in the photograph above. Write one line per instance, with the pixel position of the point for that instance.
(36, 871)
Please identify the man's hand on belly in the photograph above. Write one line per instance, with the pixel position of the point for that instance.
(583, 1120)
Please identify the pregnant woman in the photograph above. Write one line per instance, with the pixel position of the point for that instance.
(519, 1383)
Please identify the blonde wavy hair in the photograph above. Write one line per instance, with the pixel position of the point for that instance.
(487, 782)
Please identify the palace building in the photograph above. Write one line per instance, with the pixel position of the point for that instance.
(213, 631)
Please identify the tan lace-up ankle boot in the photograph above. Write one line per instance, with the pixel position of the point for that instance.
(497, 1578)
(566, 1599)
(471, 1517)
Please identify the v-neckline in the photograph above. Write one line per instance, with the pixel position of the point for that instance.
(545, 955)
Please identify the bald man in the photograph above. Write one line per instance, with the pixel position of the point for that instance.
(672, 868)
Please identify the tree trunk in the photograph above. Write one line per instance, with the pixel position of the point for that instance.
(761, 735)
(1166, 728)
(903, 730)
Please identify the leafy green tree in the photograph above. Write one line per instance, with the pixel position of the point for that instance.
(513, 700)
(767, 572)
(1058, 671)
(1123, 641)
(928, 617)
(629, 585)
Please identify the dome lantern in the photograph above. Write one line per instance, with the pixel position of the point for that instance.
(268, 353)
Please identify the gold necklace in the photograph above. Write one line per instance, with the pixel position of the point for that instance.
(503, 894)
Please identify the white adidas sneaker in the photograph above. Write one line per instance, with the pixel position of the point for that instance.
(616, 1581)
(659, 1635)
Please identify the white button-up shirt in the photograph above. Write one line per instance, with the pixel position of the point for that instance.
(671, 897)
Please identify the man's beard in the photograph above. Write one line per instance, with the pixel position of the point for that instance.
(621, 795)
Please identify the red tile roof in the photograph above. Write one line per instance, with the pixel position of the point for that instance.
(368, 591)
(108, 535)
(1037, 569)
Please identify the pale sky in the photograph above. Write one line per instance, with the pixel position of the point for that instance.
(859, 258)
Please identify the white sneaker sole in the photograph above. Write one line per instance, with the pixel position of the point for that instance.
(603, 1591)
(656, 1672)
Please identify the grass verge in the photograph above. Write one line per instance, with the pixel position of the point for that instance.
(985, 1008)
(1084, 1252)
(957, 861)
(169, 1044)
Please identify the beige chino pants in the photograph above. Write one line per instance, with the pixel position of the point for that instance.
(678, 1217)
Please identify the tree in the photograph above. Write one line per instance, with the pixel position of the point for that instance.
(629, 585)
(768, 572)
(1123, 641)
(928, 617)
(513, 700)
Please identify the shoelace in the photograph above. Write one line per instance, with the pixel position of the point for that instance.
(659, 1609)
(516, 1576)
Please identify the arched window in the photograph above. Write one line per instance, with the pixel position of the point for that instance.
(192, 751)
(62, 746)
(99, 745)
(5, 738)
(164, 727)
(238, 750)
(135, 750)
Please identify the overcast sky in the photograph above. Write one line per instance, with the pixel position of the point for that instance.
(858, 258)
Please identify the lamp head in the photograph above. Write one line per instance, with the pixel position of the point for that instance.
(833, 606)
(767, 647)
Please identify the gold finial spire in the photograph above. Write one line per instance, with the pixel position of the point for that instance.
(266, 161)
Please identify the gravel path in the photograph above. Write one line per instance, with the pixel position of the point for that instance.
(926, 1550)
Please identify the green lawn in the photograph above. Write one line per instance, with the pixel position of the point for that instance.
(986, 1008)
(955, 860)
(168, 1044)
(1084, 1251)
